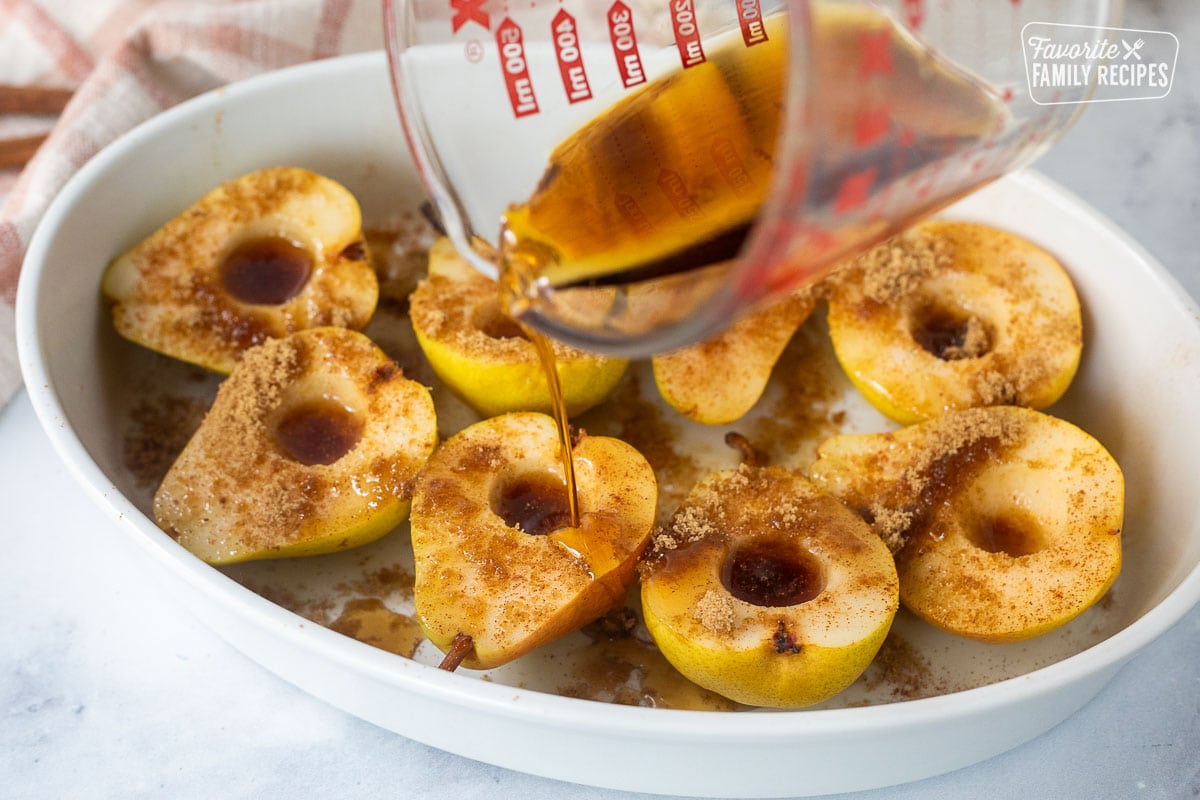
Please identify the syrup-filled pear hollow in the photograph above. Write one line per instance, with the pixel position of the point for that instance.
(768, 591)
(496, 556)
(264, 255)
(311, 446)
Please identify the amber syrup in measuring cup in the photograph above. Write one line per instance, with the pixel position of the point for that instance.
(672, 178)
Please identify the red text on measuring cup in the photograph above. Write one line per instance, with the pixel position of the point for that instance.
(625, 46)
(511, 42)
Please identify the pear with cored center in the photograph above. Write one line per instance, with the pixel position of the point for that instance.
(496, 556)
(1006, 521)
(953, 315)
(311, 446)
(485, 357)
(261, 256)
(767, 590)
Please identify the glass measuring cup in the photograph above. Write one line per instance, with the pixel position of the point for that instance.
(648, 170)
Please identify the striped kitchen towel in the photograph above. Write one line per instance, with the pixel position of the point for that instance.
(127, 60)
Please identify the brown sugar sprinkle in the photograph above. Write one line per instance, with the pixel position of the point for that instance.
(952, 434)
(975, 341)
(715, 611)
(896, 268)
(268, 368)
(160, 427)
(891, 524)
(688, 525)
(899, 667)
(995, 388)
(952, 446)
(626, 415)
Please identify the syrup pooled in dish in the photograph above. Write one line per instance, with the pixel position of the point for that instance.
(287, 462)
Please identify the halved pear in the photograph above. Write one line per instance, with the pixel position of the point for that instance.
(485, 357)
(311, 446)
(1006, 521)
(953, 315)
(717, 381)
(267, 254)
(496, 558)
(768, 591)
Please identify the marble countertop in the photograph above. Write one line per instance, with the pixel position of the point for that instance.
(107, 689)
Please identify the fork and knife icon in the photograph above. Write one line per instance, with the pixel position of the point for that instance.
(1132, 49)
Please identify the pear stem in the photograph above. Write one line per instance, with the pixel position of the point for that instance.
(460, 648)
(750, 456)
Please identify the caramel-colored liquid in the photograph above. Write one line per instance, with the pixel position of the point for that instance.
(672, 178)
(515, 274)
(266, 271)
(369, 620)
(320, 432)
(772, 572)
(536, 504)
(627, 671)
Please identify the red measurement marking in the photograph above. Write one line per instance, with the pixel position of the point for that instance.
(511, 42)
(468, 11)
(875, 52)
(674, 189)
(750, 16)
(570, 60)
(914, 13)
(687, 33)
(733, 170)
(624, 44)
(633, 214)
(854, 190)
